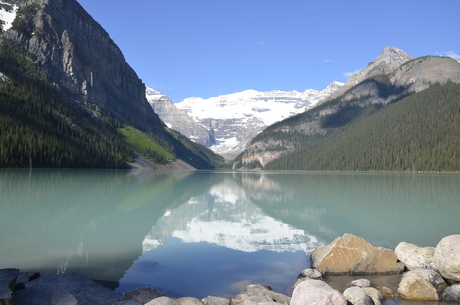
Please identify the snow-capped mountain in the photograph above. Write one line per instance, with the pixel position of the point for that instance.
(237, 118)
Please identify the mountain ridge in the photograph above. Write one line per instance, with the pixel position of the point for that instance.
(373, 93)
(232, 120)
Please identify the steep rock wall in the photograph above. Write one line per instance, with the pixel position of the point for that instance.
(76, 53)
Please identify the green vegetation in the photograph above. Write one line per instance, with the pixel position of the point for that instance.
(38, 128)
(148, 145)
(417, 133)
(42, 126)
(195, 154)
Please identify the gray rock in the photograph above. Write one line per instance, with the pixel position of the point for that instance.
(311, 274)
(361, 283)
(447, 257)
(144, 294)
(68, 289)
(266, 291)
(316, 292)
(308, 274)
(238, 298)
(418, 74)
(189, 301)
(163, 301)
(257, 299)
(357, 296)
(350, 254)
(374, 294)
(25, 277)
(421, 284)
(8, 279)
(178, 119)
(451, 293)
(211, 300)
(415, 257)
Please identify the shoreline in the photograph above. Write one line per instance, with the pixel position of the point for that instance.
(347, 264)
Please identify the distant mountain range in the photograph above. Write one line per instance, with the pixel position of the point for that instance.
(227, 123)
(398, 114)
(69, 99)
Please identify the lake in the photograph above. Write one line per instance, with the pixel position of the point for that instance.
(200, 233)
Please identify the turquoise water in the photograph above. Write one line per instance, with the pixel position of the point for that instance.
(209, 233)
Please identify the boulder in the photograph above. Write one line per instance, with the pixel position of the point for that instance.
(266, 291)
(415, 257)
(144, 294)
(350, 254)
(316, 292)
(69, 289)
(311, 274)
(361, 283)
(258, 300)
(447, 257)
(238, 298)
(163, 301)
(451, 293)
(8, 279)
(189, 301)
(308, 274)
(211, 300)
(421, 284)
(25, 277)
(387, 293)
(357, 296)
(374, 294)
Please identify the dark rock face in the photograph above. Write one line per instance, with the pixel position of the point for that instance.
(8, 279)
(76, 53)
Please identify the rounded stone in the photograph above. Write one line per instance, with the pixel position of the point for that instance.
(447, 257)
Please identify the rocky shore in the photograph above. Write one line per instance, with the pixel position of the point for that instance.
(426, 274)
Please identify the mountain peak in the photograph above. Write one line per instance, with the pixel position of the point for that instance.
(388, 61)
(392, 57)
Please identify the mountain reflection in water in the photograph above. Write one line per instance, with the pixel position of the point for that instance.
(203, 233)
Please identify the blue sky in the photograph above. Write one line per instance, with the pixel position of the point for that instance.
(204, 48)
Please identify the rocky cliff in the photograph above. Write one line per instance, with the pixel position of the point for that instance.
(235, 119)
(179, 120)
(388, 61)
(76, 53)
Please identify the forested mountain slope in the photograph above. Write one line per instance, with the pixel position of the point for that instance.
(69, 99)
(405, 120)
(418, 133)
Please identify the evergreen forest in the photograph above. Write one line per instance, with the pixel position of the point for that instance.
(42, 126)
(417, 133)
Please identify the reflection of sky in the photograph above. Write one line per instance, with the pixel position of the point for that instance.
(202, 269)
(218, 243)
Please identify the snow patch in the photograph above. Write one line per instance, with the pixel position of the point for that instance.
(7, 16)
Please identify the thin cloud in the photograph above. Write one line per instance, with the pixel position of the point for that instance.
(348, 74)
(260, 43)
(451, 54)
(327, 60)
